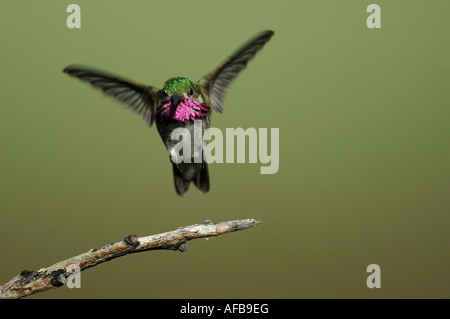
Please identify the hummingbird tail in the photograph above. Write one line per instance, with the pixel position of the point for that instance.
(181, 185)
(202, 179)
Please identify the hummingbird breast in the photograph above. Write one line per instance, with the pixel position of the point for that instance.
(189, 169)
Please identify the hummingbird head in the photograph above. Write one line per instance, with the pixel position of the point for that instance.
(178, 88)
(182, 101)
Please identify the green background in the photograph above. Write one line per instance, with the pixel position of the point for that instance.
(364, 148)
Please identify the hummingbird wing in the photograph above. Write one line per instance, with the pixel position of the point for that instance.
(137, 97)
(216, 82)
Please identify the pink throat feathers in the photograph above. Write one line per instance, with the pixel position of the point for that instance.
(187, 110)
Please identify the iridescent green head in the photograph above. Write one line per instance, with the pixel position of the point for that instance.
(177, 86)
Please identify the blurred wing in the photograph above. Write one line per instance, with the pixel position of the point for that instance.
(137, 97)
(217, 82)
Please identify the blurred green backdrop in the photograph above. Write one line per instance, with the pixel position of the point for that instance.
(364, 148)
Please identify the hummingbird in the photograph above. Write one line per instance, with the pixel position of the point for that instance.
(179, 104)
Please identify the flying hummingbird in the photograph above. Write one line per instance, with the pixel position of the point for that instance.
(179, 103)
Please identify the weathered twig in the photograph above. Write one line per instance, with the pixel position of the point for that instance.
(29, 282)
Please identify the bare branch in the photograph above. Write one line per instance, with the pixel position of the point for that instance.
(29, 282)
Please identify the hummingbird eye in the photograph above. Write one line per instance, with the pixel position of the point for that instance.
(191, 91)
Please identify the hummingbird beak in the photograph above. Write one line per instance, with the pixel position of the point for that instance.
(175, 100)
